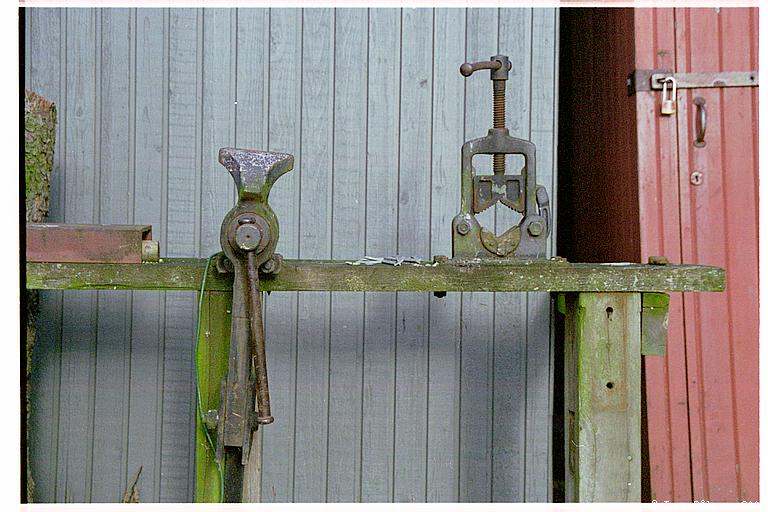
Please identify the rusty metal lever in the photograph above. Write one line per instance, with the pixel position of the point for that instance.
(264, 416)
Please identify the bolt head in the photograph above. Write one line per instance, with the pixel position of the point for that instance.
(462, 227)
(535, 228)
(248, 237)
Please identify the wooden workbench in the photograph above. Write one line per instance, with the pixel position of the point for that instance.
(614, 313)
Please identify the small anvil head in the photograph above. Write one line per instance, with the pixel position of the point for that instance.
(254, 171)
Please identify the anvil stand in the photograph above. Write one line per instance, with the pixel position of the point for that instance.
(613, 314)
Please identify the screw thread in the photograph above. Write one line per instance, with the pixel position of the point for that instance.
(499, 107)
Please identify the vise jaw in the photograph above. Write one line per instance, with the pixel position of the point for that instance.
(528, 239)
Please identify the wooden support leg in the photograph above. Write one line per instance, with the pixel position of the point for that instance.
(602, 397)
(212, 356)
(241, 483)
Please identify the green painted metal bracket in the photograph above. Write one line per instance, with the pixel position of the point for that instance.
(654, 324)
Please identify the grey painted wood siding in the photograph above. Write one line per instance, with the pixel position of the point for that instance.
(378, 396)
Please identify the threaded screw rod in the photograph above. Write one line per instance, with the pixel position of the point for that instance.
(499, 66)
(499, 108)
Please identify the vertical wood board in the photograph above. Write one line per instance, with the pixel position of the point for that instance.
(376, 395)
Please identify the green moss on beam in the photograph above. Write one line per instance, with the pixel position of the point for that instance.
(316, 275)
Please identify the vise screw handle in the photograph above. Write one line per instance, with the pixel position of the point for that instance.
(499, 66)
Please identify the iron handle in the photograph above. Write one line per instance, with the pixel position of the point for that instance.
(468, 68)
(701, 121)
(499, 66)
(258, 352)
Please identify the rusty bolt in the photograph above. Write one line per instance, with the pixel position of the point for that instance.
(273, 265)
(535, 228)
(268, 266)
(463, 227)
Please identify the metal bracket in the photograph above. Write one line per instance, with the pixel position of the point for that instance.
(707, 80)
(652, 79)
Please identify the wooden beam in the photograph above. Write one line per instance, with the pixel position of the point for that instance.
(316, 275)
(602, 397)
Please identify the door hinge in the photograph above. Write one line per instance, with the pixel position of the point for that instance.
(652, 79)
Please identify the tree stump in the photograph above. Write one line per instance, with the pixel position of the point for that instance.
(39, 140)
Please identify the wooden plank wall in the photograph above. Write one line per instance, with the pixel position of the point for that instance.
(378, 396)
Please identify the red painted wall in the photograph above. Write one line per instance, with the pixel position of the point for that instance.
(702, 397)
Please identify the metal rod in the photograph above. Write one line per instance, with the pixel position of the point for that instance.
(258, 351)
(499, 108)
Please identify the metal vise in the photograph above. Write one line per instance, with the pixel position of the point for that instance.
(248, 238)
(527, 240)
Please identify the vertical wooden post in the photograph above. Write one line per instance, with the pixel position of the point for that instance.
(602, 397)
(212, 356)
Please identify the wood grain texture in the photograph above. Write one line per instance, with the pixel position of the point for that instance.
(149, 165)
(539, 377)
(315, 193)
(182, 217)
(347, 313)
(381, 207)
(603, 397)
(371, 105)
(74, 461)
(211, 356)
(281, 310)
(658, 184)
(45, 33)
(444, 312)
(477, 336)
(712, 344)
(113, 338)
(318, 275)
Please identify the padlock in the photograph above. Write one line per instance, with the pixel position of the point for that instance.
(669, 105)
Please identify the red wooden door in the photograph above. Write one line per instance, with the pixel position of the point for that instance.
(703, 397)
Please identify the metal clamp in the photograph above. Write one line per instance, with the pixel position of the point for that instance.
(518, 192)
(248, 239)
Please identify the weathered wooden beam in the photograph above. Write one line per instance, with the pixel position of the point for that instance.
(602, 397)
(316, 275)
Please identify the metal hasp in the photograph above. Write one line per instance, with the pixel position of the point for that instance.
(248, 238)
(526, 240)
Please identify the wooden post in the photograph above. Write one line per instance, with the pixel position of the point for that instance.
(602, 397)
(212, 357)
